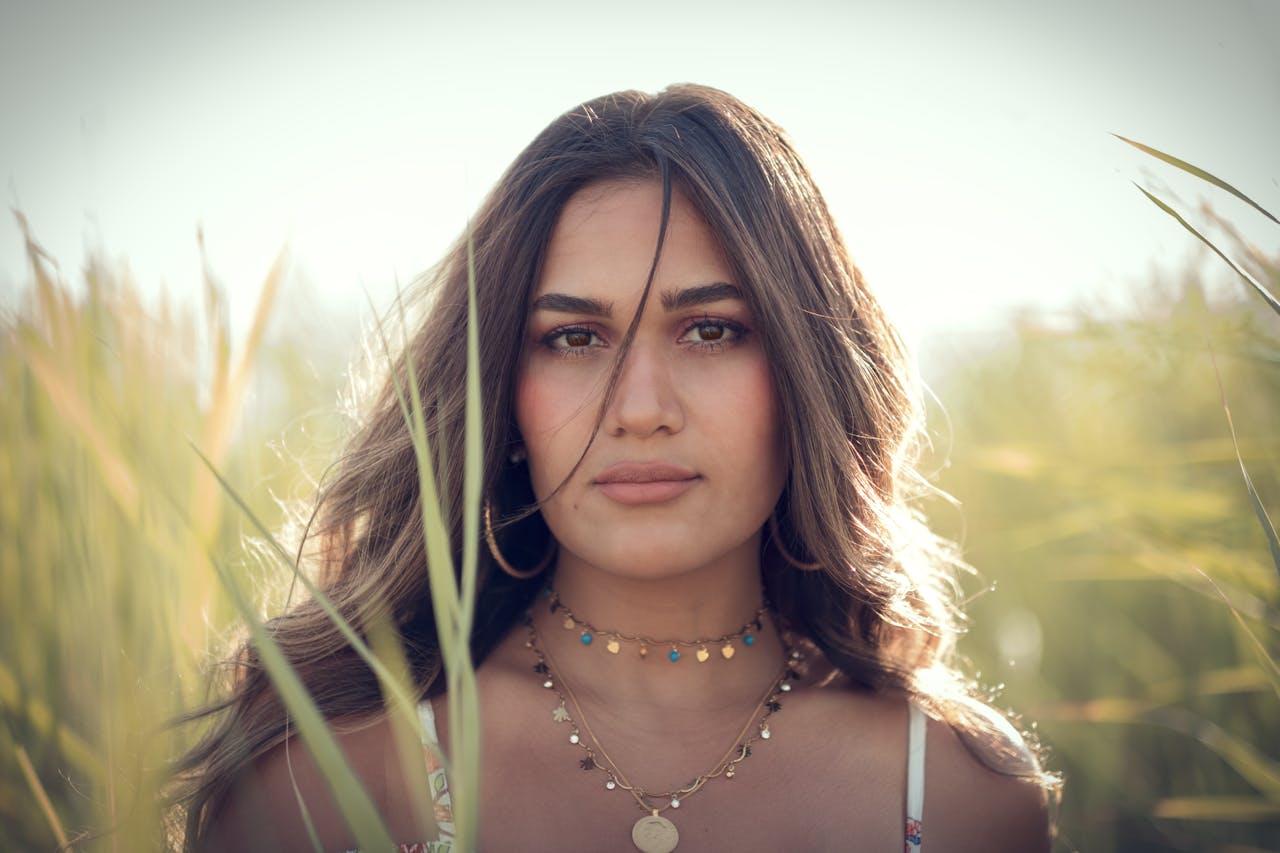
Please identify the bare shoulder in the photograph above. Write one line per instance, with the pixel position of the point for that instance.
(983, 789)
(263, 810)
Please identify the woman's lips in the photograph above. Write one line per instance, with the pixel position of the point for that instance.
(645, 482)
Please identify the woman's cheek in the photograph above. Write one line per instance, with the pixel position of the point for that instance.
(742, 392)
(746, 407)
(545, 411)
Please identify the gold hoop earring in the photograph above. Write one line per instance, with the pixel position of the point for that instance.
(492, 542)
(775, 536)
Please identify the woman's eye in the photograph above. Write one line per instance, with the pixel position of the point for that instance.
(712, 333)
(572, 341)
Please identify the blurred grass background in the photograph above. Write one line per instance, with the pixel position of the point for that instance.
(111, 610)
(1126, 601)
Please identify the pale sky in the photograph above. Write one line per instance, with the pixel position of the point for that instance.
(964, 147)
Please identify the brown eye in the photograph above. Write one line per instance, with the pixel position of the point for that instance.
(573, 341)
(712, 334)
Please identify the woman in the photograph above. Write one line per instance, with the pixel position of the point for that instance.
(708, 616)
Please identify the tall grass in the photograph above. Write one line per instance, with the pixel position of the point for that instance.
(137, 526)
(1133, 601)
(1133, 609)
(110, 603)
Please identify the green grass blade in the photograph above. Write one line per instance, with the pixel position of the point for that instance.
(312, 835)
(1271, 667)
(348, 633)
(444, 585)
(1259, 510)
(472, 458)
(452, 602)
(1245, 758)
(1197, 172)
(1217, 809)
(453, 620)
(1266, 294)
(42, 797)
(467, 745)
(352, 799)
(71, 404)
(406, 730)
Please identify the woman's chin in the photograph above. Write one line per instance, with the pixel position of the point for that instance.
(641, 561)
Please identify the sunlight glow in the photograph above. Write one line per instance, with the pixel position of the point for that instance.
(965, 151)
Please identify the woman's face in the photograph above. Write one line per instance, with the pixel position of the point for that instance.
(689, 459)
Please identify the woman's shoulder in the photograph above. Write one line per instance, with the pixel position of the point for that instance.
(984, 789)
(263, 809)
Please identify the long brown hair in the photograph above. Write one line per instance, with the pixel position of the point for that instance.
(882, 607)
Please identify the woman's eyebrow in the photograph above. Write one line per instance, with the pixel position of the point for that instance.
(675, 300)
(672, 300)
(566, 304)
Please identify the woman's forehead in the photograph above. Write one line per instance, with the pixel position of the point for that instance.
(607, 234)
(628, 207)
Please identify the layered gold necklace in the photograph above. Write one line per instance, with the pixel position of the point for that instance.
(654, 833)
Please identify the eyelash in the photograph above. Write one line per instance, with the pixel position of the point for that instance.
(737, 332)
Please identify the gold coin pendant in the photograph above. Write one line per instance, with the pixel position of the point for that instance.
(653, 833)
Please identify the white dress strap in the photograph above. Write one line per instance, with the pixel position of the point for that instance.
(427, 716)
(916, 728)
(436, 778)
(441, 802)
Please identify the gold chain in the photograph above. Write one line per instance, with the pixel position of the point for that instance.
(738, 751)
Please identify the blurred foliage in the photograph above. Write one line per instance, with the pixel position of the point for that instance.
(1127, 599)
(110, 605)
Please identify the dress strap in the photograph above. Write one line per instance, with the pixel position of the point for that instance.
(441, 802)
(427, 716)
(436, 778)
(916, 728)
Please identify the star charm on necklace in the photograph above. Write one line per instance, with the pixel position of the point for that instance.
(561, 714)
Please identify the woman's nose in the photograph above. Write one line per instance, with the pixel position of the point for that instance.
(645, 400)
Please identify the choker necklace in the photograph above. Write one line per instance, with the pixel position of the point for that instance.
(613, 640)
(654, 833)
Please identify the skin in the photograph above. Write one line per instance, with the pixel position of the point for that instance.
(695, 391)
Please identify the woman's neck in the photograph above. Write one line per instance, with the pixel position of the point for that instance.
(727, 651)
